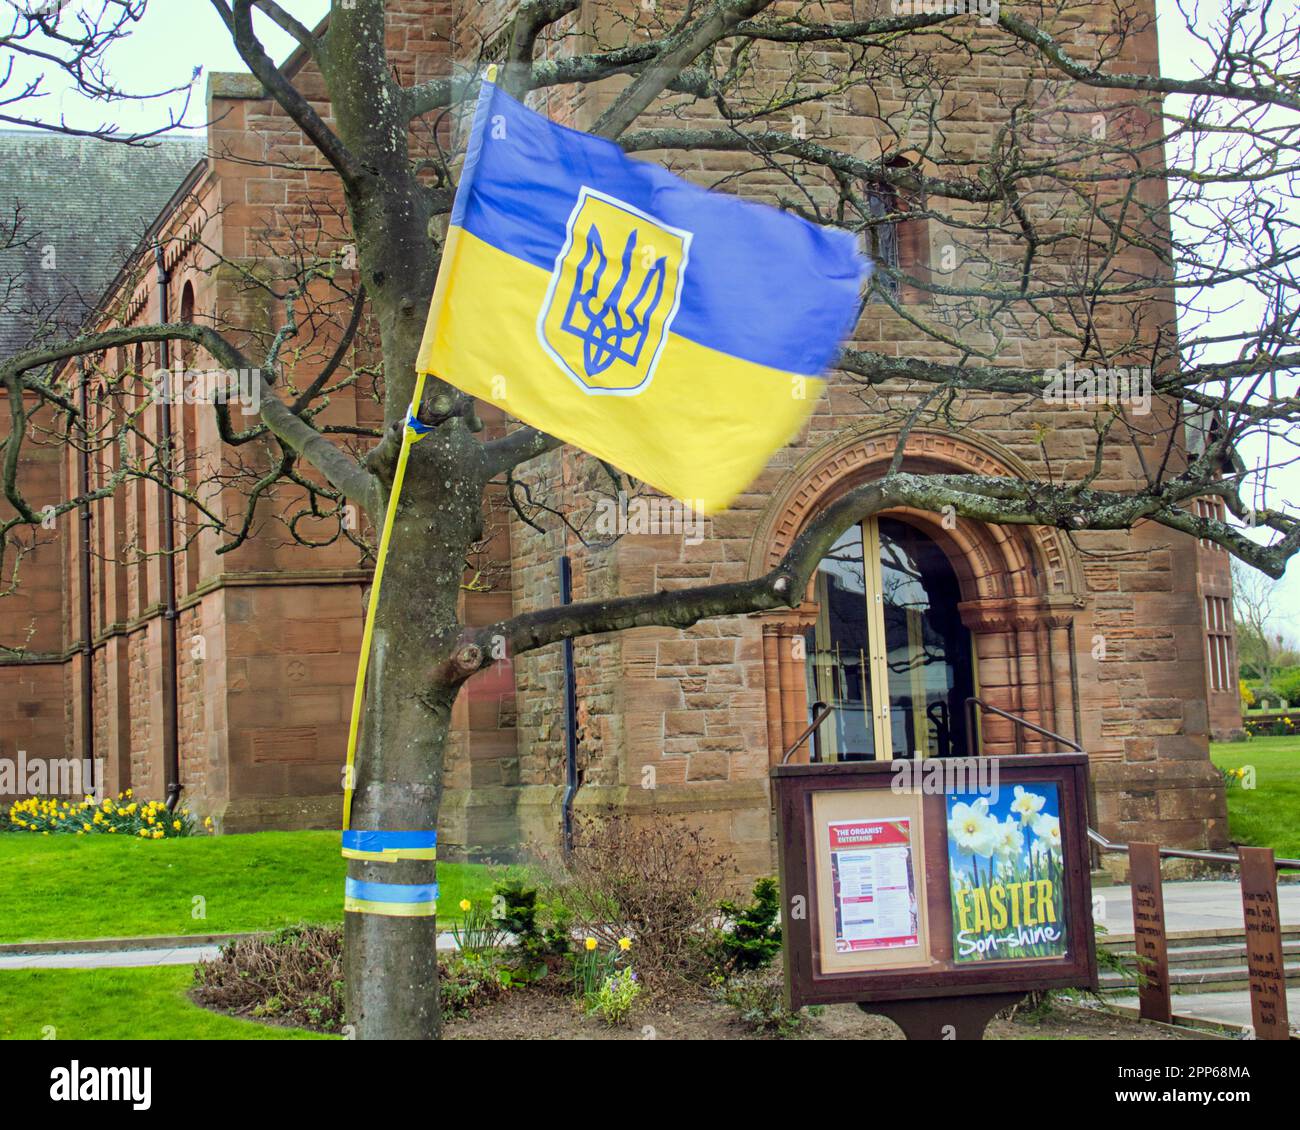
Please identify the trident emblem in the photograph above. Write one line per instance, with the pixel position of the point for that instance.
(610, 334)
(605, 321)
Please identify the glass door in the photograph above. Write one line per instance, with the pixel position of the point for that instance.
(839, 658)
(889, 650)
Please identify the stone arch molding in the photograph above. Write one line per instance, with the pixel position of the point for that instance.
(991, 561)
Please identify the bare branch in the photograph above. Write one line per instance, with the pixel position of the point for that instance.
(239, 21)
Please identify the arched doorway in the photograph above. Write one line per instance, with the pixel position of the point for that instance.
(1015, 591)
(888, 648)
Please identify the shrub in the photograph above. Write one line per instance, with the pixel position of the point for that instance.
(750, 936)
(614, 999)
(657, 884)
(519, 907)
(294, 977)
(468, 980)
(536, 949)
(120, 815)
(1286, 684)
(1282, 726)
(758, 996)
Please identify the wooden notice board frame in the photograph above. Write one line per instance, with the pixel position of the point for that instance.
(804, 793)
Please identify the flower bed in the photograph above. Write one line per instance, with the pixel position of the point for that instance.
(123, 814)
(1272, 724)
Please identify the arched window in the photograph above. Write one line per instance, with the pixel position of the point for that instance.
(882, 236)
(889, 650)
(896, 237)
(187, 317)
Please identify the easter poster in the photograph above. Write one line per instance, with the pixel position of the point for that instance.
(872, 884)
(1005, 874)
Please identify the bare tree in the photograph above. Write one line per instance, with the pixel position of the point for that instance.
(1058, 227)
(1261, 642)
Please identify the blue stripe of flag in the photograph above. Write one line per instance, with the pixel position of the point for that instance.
(754, 272)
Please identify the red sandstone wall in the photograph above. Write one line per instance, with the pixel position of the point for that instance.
(690, 706)
(263, 711)
(33, 685)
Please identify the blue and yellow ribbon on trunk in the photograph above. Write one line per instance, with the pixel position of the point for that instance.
(385, 847)
(392, 900)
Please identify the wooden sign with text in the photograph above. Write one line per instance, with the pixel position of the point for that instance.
(1149, 939)
(1263, 944)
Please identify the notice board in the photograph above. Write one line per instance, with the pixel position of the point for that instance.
(906, 880)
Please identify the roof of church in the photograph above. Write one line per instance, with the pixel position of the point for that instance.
(80, 206)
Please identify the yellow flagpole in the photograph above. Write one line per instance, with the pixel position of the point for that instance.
(363, 661)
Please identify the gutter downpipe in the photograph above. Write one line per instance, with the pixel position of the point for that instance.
(171, 735)
(570, 717)
(83, 551)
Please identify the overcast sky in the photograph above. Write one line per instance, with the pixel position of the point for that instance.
(177, 36)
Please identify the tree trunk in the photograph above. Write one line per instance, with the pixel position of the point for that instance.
(390, 963)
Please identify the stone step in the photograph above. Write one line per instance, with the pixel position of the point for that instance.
(1210, 979)
(1123, 943)
(1232, 953)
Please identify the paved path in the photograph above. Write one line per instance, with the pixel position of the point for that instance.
(1193, 905)
(131, 958)
(1229, 1008)
(109, 959)
(1201, 905)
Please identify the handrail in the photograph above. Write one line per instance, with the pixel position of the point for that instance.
(1188, 853)
(972, 725)
(973, 701)
(820, 713)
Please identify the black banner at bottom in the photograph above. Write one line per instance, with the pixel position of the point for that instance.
(337, 1078)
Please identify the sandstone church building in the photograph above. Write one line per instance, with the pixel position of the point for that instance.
(1120, 642)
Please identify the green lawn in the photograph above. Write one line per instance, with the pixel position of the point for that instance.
(1269, 814)
(118, 1004)
(71, 887)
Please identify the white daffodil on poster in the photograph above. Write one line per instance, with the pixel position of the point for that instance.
(1047, 833)
(972, 829)
(1026, 805)
(1006, 873)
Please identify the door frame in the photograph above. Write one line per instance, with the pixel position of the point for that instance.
(873, 577)
(881, 712)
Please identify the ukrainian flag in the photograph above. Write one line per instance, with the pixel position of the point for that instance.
(676, 333)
